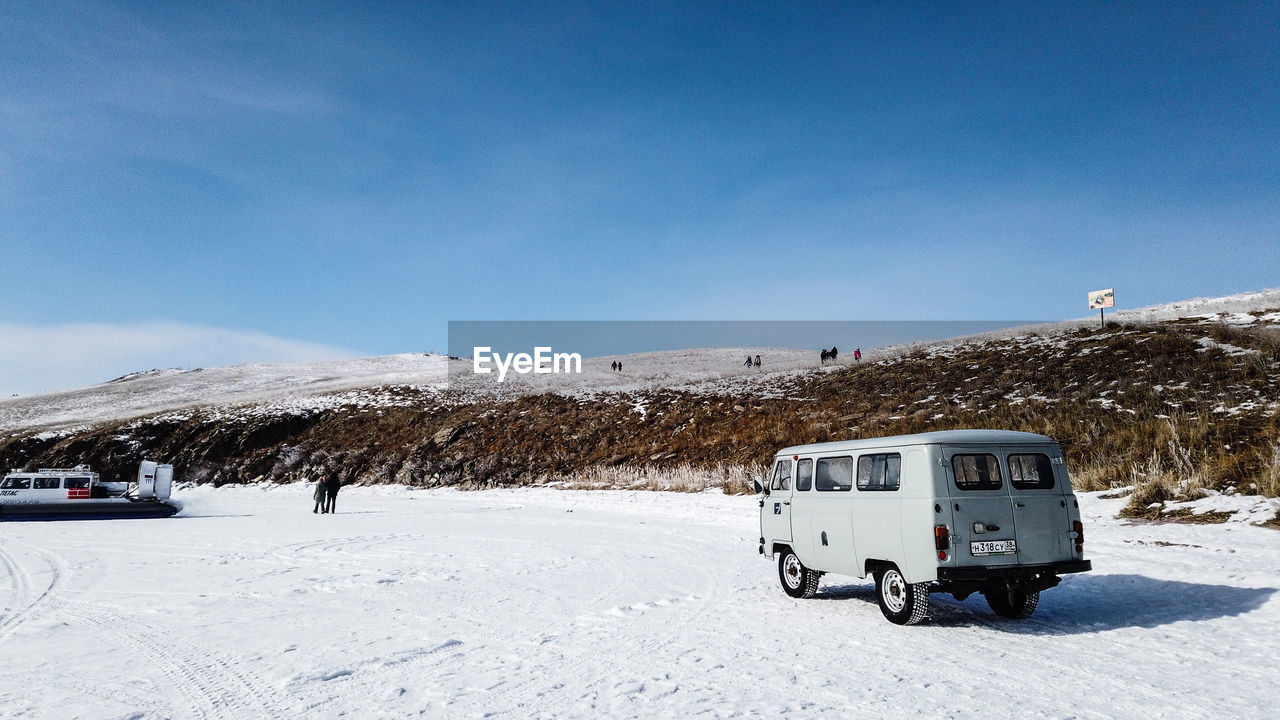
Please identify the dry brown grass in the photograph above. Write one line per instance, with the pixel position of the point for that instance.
(1269, 478)
(734, 480)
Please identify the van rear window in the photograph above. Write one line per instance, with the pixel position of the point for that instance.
(75, 483)
(879, 472)
(46, 483)
(835, 474)
(976, 472)
(1031, 472)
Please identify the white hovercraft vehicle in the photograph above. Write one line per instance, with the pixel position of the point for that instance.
(77, 493)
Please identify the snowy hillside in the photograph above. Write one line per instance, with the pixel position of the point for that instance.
(538, 603)
(1175, 410)
(151, 392)
(1240, 310)
(304, 387)
(314, 386)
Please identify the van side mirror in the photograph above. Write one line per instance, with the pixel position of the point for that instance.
(758, 484)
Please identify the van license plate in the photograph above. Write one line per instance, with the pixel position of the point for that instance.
(992, 547)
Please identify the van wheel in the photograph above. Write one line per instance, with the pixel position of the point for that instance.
(798, 581)
(1012, 603)
(903, 603)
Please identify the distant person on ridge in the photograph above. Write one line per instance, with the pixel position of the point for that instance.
(333, 484)
(320, 495)
(757, 361)
(748, 362)
(857, 354)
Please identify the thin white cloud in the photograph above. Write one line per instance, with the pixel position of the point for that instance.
(62, 357)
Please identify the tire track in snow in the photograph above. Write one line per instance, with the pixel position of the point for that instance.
(212, 685)
(679, 616)
(201, 700)
(138, 701)
(529, 694)
(19, 600)
(583, 676)
(408, 667)
(29, 598)
(325, 547)
(398, 669)
(405, 668)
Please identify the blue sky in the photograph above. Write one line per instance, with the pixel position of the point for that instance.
(350, 177)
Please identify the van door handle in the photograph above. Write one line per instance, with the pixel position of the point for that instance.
(1019, 504)
(787, 502)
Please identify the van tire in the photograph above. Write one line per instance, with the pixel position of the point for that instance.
(902, 603)
(797, 580)
(1012, 603)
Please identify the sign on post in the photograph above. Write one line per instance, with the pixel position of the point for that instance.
(1100, 300)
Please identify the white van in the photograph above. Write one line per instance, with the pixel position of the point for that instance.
(957, 511)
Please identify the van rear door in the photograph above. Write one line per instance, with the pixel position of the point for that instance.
(1040, 497)
(982, 509)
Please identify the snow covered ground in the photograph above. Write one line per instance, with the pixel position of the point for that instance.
(545, 603)
(1231, 309)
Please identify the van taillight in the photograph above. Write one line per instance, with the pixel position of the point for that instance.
(941, 540)
(1079, 528)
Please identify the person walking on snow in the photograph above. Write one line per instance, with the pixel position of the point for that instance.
(320, 496)
(333, 485)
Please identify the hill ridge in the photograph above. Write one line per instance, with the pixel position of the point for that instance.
(1170, 409)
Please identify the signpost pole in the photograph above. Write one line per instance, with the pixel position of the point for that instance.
(1102, 313)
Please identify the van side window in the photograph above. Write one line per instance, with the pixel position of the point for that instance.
(16, 483)
(45, 483)
(835, 474)
(976, 472)
(782, 476)
(879, 472)
(1031, 472)
(76, 483)
(804, 474)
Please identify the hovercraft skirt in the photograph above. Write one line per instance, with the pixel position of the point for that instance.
(86, 510)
